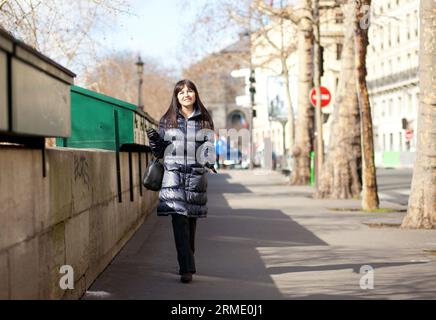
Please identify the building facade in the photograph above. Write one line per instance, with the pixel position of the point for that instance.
(220, 92)
(392, 64)
(270, 124)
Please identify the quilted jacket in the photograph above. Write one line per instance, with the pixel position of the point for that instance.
(184, 149)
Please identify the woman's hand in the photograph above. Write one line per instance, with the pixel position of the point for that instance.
(152, 134)
(210, 167)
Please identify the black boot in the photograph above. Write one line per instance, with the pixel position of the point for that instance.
(186, 277)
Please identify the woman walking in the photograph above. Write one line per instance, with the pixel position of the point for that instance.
(185, 141)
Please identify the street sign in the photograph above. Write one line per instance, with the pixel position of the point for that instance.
(326, 97)
(409, 135)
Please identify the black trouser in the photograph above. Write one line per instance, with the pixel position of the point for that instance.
(184, 236)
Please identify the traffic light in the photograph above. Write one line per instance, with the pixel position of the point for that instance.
(252, 79)
(252, 89)
(321, 61)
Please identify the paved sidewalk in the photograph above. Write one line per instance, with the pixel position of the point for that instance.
(264, 239)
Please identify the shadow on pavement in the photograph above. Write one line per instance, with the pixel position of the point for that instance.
(228, 242)
(355, 267)
(229, 257)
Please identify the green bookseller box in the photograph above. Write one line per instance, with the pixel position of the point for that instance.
(102, 122)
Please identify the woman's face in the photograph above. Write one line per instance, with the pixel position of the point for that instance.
(186, 97)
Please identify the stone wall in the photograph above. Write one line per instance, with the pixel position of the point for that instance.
(70, 217)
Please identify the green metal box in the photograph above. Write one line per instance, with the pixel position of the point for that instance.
(96, 119)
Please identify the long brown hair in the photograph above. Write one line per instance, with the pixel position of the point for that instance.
(170, 116)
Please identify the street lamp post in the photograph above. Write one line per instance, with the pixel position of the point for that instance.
(252, 90)
(140, 71)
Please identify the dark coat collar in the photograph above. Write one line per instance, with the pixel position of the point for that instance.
(196, 113)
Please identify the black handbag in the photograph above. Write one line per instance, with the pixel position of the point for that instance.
(153, 175)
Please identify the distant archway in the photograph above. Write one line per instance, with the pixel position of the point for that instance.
(237, 120)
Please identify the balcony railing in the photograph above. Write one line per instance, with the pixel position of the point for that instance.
(393, 78)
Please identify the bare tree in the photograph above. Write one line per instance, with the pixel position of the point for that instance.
(60, 29)
(281, 23)
(421, 212)
(212, 75)
(304, 128)
(270, 27)
(370, 199)
(341, 174)
(115, 75)
(286, 17)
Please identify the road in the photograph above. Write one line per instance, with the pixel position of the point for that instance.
(394, 185)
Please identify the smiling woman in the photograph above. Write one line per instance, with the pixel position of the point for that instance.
(186, 99)
(185, 141)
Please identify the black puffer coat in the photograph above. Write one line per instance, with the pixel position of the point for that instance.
(184, 185)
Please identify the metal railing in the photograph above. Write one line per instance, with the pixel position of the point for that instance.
(393, 78)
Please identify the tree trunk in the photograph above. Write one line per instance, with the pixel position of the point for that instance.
(421, 212)
(370, 199)
(318, 143)
(340, 177)
(304, 127)
(289, 104)
(285, 74)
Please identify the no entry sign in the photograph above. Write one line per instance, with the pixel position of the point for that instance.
(409, 135)
(326, 97)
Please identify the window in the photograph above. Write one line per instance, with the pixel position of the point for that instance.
(376, 142)
(389, 35)
(339, 17)
(390, 107)
(398, 35)
(381, 34)
(409, 104)
(338, 51)
(400, 141)
(400, 106)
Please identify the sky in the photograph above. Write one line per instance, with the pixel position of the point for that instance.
(161, 29)
(156, 28)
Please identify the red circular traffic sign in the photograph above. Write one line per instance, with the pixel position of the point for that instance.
(409, 135)
(326, 97)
